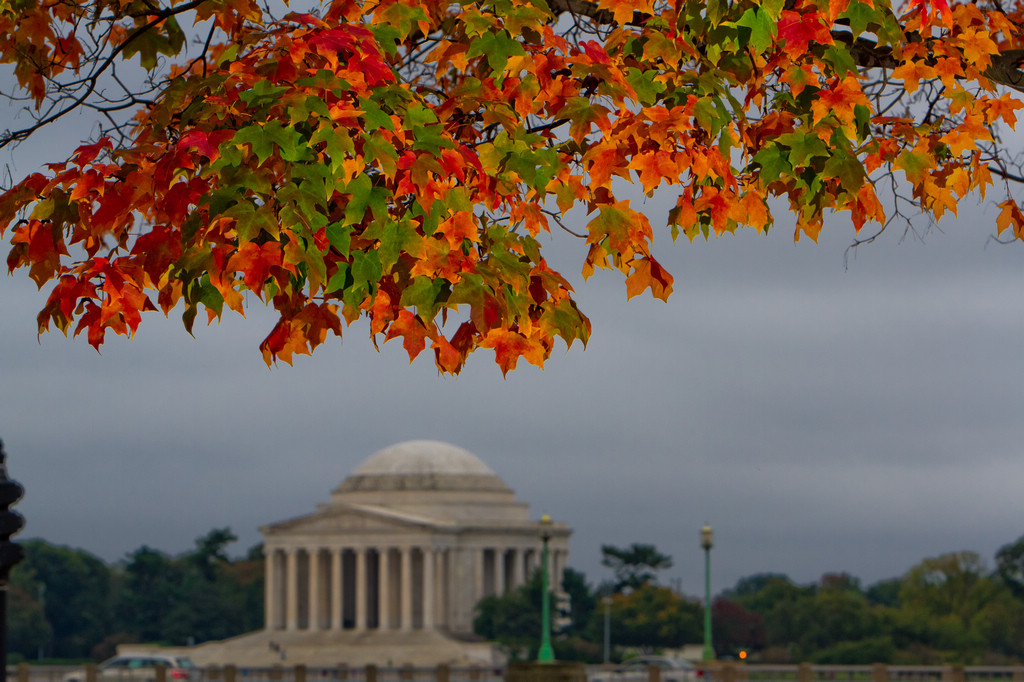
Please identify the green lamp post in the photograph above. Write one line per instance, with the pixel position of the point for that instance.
(706, 541)
(545, 654)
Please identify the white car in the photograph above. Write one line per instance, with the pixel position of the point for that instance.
(636, 670)
(139, 668)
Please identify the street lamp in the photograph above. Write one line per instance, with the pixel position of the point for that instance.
(10, 553)
(545, 654)
(607, 630)
(707, 540)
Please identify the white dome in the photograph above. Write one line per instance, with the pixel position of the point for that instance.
(423, 457)
(423, 465)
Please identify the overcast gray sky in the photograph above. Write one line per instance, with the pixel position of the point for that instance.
(820, 417)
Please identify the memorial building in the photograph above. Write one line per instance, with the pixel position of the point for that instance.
(391, 567)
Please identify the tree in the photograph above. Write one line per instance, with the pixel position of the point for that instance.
(634, 566)
(652, 618)
(1010, 566)
(28, 631)
(152, 584)
(78, 595)
(513, 620)
(735, 628)
(398, 161)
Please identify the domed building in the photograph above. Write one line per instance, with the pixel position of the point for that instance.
(392, 566)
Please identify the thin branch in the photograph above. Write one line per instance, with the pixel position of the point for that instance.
(91, 82)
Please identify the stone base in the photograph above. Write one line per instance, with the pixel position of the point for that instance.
(556, 671)
(327, 649)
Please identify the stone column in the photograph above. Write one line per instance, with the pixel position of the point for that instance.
(406, 588)
(292, 588)
(499, 572)
(517, 568)
(440, 578)
(337, 585)
(315, 598)
(478, 575)
(429, 600)
(383, 590)
(361, 588)
(270, 605)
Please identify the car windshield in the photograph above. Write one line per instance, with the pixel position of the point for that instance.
(115, 663)
(645, 662)
(185, 662)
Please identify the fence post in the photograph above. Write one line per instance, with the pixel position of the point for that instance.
(276, 672)
(23, 672)
(371, 673)
(444, 673)
(300, 673)
(90, 672)
(804, 673)
(653, 673)
(1018, 674)
(728, 672)
(343, 671)
(161, 673)
(879, 672)
(405, 672)
(474, 673)
(230, 672)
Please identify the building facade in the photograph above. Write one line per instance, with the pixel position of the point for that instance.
(411, 541)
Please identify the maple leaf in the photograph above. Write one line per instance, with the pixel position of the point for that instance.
(799, 30)
(255, 262)
(648, 274)
(928, 8)
(510, 345)
(413, 332)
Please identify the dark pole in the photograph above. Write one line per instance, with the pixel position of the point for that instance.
(10, 553)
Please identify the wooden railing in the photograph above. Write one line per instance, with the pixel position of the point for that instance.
(719, 672)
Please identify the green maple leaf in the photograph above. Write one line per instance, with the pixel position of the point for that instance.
(394, 239)
(365, 195)
(644, 83)
(803, 147)
(774, 164)
(166, 39)
(762, 28)
(497, 47)
(374, 116)
(427, 295)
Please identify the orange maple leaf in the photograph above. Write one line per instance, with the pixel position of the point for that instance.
(413, 333)
(255, 262)
(510, 345)
(839, 98)
(654, 168)
(648, 274)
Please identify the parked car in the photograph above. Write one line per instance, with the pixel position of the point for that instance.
(635, 670)
(139, 668)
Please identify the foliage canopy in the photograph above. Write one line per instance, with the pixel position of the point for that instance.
(400, 160)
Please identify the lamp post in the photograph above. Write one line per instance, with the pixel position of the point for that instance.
(545, 654)
(10, 553)
(707, 540)
(607, 630)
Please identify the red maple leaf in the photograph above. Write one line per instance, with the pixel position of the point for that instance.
(800, 30)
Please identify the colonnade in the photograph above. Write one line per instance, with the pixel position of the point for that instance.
(404, 587)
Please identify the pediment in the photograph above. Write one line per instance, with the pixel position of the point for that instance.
(351, 519)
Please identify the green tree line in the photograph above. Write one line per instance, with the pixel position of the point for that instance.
(67, 604)
(950, 608)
